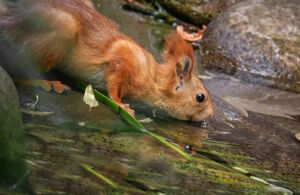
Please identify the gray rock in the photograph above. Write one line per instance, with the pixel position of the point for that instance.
(257, 40)
(13, 171)
(196, 11)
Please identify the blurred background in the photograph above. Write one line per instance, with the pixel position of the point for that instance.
(247, 55)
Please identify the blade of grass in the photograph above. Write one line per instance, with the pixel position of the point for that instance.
(99, 175)
(164, 141)
(129, 119)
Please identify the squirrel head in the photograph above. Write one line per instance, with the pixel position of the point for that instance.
(183, 95)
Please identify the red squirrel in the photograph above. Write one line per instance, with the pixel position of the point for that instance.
(73, 37)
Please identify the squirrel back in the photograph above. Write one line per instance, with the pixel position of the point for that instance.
(73, 37)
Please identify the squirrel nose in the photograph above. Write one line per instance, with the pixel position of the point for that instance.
(200, 97)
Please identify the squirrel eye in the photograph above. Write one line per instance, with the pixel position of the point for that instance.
(200, 97)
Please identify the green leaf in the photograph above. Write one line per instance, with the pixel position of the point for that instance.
(131, 120)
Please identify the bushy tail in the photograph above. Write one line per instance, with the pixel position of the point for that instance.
(3, 8)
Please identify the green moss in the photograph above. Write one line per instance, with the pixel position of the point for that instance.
(221, 175)
(194, 11)
(226, 155)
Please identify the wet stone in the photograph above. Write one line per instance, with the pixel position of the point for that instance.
(257, 41)
(13, 171)
(195, 11)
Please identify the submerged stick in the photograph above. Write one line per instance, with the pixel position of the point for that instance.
(37, 113)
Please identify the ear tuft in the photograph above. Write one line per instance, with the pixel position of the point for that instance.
(176, 47)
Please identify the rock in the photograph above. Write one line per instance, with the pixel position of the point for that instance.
(195, 11)
(297, 136)
(258, 41)
(13, 171)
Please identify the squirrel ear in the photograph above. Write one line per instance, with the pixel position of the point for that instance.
(183, 66)
(176, 47)
(172, 45)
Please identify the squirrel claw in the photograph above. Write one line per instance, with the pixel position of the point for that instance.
(128, 109)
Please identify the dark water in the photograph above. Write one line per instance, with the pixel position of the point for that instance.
(253, 129)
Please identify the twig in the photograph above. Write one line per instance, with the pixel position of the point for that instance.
(38, 113)
(137, 7)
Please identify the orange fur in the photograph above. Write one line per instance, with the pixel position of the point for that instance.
(72, 35)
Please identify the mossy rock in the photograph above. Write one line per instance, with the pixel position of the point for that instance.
(13, 169)
(196, 11)
(257, 41)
